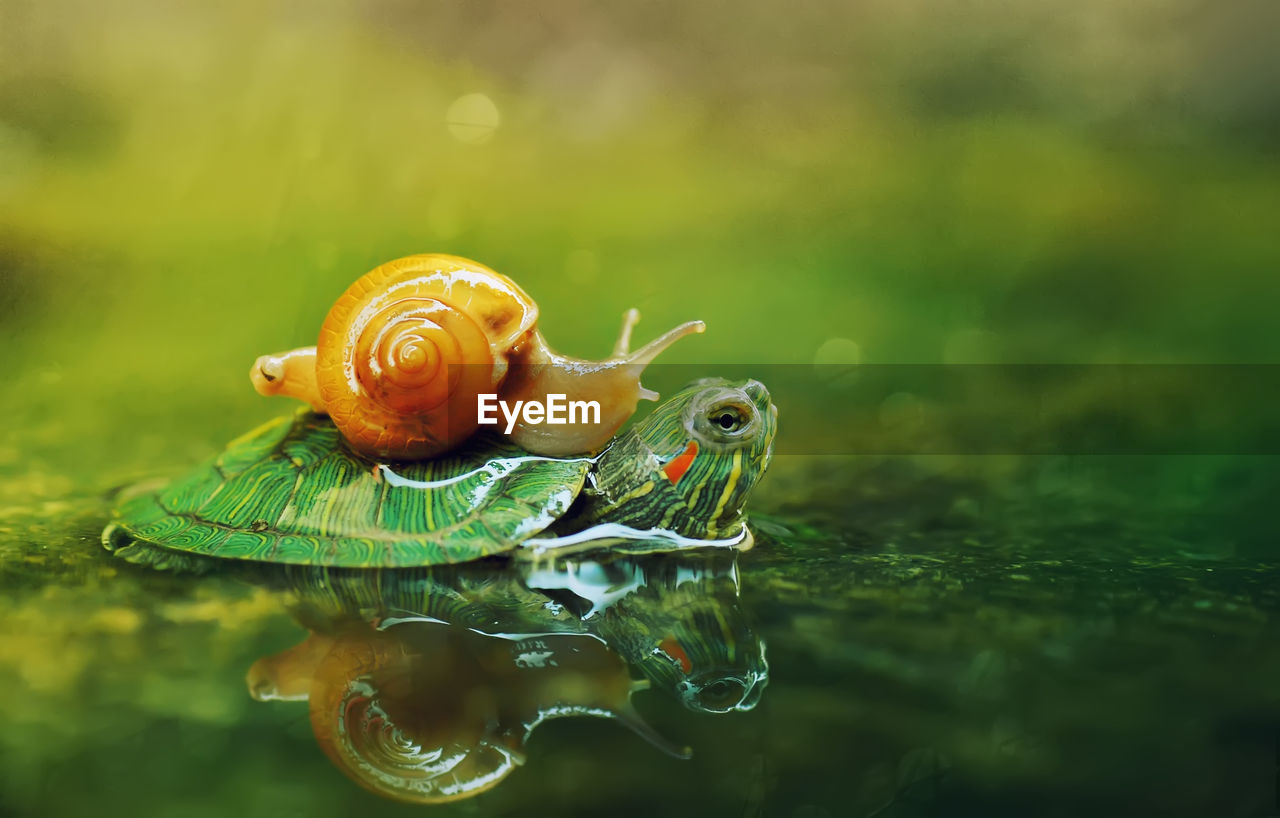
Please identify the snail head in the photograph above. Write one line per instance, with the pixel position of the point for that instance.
(613, 385)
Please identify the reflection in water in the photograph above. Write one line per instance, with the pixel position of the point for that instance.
(424, 685)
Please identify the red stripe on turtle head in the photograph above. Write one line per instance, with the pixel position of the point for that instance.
(676, 468)
(673, 649)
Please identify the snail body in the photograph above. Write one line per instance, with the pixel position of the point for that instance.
(405, 352)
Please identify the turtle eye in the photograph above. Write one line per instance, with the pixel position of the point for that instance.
(729, 418)
(723, 417)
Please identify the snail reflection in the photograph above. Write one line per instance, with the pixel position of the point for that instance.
(425, 685)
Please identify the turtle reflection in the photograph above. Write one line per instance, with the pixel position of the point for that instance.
(424, 685)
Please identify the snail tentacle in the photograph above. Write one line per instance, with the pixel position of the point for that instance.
(629, 320)
(291, 374)
(644, 356)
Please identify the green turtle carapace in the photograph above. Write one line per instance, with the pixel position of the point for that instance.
(295, 492)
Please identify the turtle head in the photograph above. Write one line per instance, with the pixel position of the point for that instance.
(703, 450)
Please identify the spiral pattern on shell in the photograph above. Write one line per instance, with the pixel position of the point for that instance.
(408, 353)
(381, 720)
(406, 349)
(379, 755)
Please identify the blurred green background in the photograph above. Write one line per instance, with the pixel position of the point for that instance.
(186, 186)
(936, 181)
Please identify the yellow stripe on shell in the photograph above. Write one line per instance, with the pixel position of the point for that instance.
(250, 494)
(639, 491)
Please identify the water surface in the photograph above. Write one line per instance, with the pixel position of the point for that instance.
(1070, 636)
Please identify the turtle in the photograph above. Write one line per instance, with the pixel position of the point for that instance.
(293, 492)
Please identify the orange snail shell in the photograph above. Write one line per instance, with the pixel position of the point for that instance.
(396, 721)
(407, 348)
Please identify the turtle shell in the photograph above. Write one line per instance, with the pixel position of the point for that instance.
(292, 492)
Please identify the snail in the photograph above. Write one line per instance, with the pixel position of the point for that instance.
(406, 351)
(428, 713)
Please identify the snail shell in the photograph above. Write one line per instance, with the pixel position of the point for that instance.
(406, 350)
(404, 722)
(429, 713)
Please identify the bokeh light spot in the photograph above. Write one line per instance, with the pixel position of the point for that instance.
(472, 119)
(838, 352)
